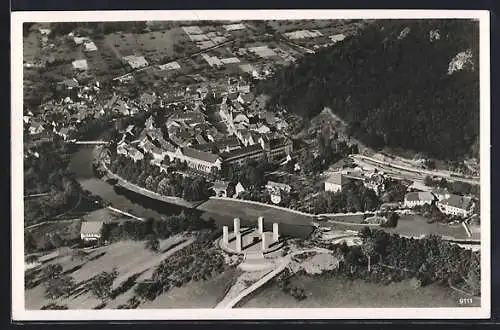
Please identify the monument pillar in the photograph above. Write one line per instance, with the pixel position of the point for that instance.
(260, 221)
(276, 235)
(236, 226)
(225, 235)
(238, 242)
(264, 242)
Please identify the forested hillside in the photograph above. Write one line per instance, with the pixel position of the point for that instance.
(395, 85)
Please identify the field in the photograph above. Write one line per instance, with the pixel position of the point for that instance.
(324, 292)
(152, 45)
(326, 28)
(129, 258)
(283, 26)
(101, 63)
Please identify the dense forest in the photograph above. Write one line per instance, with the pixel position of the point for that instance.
(392, 85)
(392, 258)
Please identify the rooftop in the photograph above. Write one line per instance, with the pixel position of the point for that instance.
(460, 202)
(201, 155)
(419, 196)
(338, 179)
(91, 227)
(234, 154)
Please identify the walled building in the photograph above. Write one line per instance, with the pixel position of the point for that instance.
(456, 205)
(336, 182)
(420, 198)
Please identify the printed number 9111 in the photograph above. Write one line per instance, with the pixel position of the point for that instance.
(465, 301)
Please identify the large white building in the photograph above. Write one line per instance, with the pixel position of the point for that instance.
(456, 205)
(198, 160)
(420, 198)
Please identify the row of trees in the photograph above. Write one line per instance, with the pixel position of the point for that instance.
(393, 91)
(148, 176)
(354, 197)
(199, 261)
(155, 228)
(251, 174)
(388, 257)
(59, 285)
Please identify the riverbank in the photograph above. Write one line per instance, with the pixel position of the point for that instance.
(148, 193)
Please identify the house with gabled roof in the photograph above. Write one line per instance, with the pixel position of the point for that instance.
(456, 205)
(201, 160)
(419, 198)
(147, 99)
(91, 231)
(36, 127)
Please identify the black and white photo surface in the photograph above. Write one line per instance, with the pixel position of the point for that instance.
(250, 165)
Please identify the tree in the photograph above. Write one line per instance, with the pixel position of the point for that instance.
(60, 286)
(52, 271)
(153, 244)
(392, 220)
(368, 248)
(149, 183)
(53, 306)
(391, 114)
(101, 285)
(473, 279)
(29, 242)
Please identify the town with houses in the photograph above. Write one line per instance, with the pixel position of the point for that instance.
(172, 112)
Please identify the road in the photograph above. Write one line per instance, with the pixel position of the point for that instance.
(412, 172)
(269, 276)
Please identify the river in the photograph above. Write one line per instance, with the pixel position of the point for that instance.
(144, 207)
(81, 165)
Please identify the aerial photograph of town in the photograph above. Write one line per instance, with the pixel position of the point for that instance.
(327, 163)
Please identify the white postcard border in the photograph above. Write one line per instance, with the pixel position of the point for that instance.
(19, 313)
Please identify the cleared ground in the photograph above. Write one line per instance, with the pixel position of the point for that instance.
(202, 294)
(323, 292)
